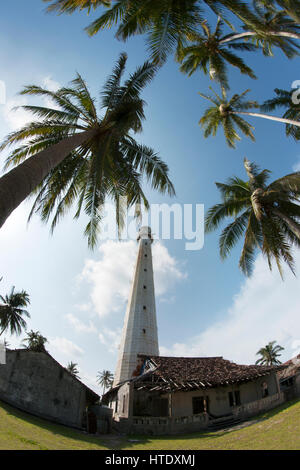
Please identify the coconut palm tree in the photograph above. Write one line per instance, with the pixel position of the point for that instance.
(209, 55)
(72, 368)
(269, 354)
(70, 6)
(275, 28)
(35, 341)
(227, 113)
(291, 102)
(167, 23)
(105, 378)
(266, 216)
(12, 312)
(73, 154)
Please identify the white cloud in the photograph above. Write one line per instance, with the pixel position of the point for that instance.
(18, 118)
(80, 326)
(50, 84)
(265, 309)
(110, 339)
(64, 346)
(110, 277)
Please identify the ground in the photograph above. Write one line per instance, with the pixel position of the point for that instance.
(277, 429)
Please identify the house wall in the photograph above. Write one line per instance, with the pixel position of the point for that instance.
(121, 402)
(218, 400)
(34, 382)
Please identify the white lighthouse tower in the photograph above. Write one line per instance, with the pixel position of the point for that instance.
(139, 335)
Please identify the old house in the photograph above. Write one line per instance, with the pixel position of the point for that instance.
(289, 378)
(35, 382)
(155, 394)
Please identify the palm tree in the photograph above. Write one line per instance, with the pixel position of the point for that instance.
(167, 23)
(70, 6)
(275, 28)
(72, 368)
(284, 99)
(105, 378)
(269, 354)
(35, 341)
(227, 113)
(12, 312)
(208, 54)
(266, 216)
(72, 154)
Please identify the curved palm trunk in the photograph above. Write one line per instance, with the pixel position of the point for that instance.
(267, 116)
(295, 228)
(247, 34)
(17, 184)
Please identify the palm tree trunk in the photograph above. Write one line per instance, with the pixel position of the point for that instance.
(267, 116)
(295, 228)
(283, 34)
(17, 184)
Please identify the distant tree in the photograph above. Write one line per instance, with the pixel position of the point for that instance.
(12, 312)
(105, 378)
(35, 341)
(72, 368)
(269, 354)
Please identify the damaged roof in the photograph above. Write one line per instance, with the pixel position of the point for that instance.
(188, 373)
(292, 367)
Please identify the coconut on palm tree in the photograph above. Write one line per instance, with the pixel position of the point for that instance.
(34, 341)
(12, 312)
(269, 354)
(73, 154)
(105, 379)
(227, 113)
(210, 56)
(72, 368)
(265, 216)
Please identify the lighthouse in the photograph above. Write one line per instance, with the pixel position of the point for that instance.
(139, 335)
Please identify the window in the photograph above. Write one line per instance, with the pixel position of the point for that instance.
(145, 270)
(234, 398)
(287, 382)
(146, 255)
(124, 403)
(265, 391)
(145, 287)
(198, 405)
(144, 307)
(237, 397)
(144, 331)
(116, 405)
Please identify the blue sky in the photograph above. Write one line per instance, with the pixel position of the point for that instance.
(78, 297)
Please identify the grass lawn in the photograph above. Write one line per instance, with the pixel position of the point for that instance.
(277, 429)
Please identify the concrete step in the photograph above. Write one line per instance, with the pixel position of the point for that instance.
(216, 425)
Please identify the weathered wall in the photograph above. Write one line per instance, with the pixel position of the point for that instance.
(36, 383)
(218, 397)
(121, 402)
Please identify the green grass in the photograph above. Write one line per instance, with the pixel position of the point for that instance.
(277, 429)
